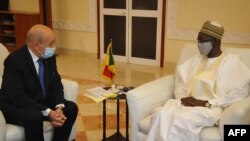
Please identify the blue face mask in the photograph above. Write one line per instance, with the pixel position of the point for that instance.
(48, 52)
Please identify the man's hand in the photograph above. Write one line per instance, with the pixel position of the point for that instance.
(57, 118)
(59, 111)
(191, 101)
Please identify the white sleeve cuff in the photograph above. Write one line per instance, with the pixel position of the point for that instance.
(62, 105)
(46, 112)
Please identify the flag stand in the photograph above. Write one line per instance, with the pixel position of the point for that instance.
(112, 87)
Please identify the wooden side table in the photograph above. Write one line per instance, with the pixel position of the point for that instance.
(117, 136)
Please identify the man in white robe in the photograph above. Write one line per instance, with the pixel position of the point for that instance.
(204, 85)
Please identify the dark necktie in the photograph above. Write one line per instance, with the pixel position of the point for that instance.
(41, 74)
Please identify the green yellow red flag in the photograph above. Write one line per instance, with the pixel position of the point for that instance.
(108, 71)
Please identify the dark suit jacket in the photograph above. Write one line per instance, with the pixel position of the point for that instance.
(21, 86)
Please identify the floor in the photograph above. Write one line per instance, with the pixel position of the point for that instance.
(85, 68)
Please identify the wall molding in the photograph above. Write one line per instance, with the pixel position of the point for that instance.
(174, 33)
(76, 26)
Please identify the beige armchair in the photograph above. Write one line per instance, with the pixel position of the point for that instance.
(145, 98)
(9, 132)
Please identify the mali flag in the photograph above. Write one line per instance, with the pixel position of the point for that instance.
(108, 71)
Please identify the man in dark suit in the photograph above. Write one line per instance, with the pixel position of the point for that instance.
(32, 91)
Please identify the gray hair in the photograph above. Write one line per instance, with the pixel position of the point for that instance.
(37, 36)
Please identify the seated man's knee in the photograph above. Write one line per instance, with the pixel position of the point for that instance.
(71, 108)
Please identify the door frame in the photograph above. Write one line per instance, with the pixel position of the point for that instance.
(162, 46)
(45, 12)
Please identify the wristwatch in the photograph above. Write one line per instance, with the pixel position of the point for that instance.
(207, 104)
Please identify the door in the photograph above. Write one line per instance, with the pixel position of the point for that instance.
(135, 28)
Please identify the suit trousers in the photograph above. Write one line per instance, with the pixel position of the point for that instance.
(32, 121)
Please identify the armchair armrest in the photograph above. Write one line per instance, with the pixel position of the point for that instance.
(2, 122)
(70, 89)
(0, 82)
(70, 92)
(2, 127)
(143, 99)
(237, 113)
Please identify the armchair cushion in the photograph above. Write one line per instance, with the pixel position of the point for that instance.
(2, 126)
(16, 133)
(237, 113)
(144, 124)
